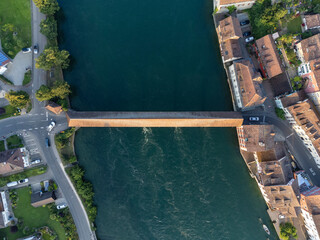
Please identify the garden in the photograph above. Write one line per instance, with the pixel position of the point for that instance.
(14, 142)
(30, 218)
(15, 26)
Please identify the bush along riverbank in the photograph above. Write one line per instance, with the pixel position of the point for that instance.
(64, 142)
(54, 60)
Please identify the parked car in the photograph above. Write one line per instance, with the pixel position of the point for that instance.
(61, 206)
(47, 142)
(35, 49)
(247, 34)
(246, 22)
(26, 50)
(255, 119)
(23, 180)
(36, 161)
(12, 184)
(249, 39)
(51, 126)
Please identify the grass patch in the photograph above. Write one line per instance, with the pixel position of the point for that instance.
(2, 148)
(5, 80)
(31, 217)
(64, 143)
(14, 142)
(18, 14)
(27, 78)
(10, 112)
(26, 174)
(294, 26)
(280, 113)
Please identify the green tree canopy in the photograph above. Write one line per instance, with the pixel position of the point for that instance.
(43, 93)
(48, 27)
(52, 57)
(47, 6)
(60, 90)
(18, 99)
(287, 230)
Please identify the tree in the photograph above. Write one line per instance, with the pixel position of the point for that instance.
(48, 27)
(60, 89)
(44, 93)
(52, 57)
(232, 8)
(18, 99)
(287, 230)
(48, 7)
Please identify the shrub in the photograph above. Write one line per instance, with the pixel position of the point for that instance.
(280, 113)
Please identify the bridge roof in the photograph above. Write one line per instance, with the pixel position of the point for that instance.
(154, 119)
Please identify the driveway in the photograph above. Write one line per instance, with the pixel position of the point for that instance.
(17, 68)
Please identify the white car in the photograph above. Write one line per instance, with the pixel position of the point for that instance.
(256, 119)
(35, 161)
(249, 39)
(23, 181)
(51, 126)
(61, 206)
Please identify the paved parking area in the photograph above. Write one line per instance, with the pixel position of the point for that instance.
(17, 68)
(32, 146)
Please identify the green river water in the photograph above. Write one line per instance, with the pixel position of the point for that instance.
(157, 183)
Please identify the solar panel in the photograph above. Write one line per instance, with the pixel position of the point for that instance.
(3, 59)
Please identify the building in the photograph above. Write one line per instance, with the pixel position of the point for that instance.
(268, 56)
(53, 107)
(4, 61)
(222, 5)
(277, 172)
(229, 32)
(246, 85)
(5, 215)
(42, 198)
(304, 118)
(311, 22)
(229, 28)
(282, 198)
(310, 211)
(308, 52)
(256, 138)
(13, 161)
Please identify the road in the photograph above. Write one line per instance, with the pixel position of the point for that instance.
(293, 142)
(35, 124)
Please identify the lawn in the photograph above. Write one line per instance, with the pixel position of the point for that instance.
(27, 78)
(2, 148)
(17, 13)
(31, 217)
(10, 112)
(14, 142)
(294, 26)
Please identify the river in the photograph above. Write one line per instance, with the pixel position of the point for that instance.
(157, 183)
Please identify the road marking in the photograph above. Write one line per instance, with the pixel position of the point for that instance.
(20, 123)
(59, 124)
(36, 114)
(8, 125)
(47, 114)
(24, 130)
(42, 127)
(35, 128)
(42, 114)
(30, 129)
(32, 121)
(289, 135)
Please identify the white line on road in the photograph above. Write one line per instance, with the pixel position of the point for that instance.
(20, 123)
(289, 135)
(8, 125)
(36, 128)
(30, 129)
(42, 127)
